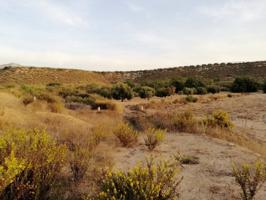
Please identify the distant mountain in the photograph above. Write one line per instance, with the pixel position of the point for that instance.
(10, 65)
(16, 74)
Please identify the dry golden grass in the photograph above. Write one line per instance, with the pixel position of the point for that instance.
(24, 75)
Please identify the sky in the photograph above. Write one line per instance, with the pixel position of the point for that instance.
(109, 35)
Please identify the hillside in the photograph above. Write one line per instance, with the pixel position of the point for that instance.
(223, 71)
(34, 75)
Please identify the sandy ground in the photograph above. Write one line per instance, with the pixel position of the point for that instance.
(210, 179)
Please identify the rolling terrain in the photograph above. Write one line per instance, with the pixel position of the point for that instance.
(16, 74)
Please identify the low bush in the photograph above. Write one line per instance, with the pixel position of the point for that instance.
(250, 178)
(179, 85)
(53, 86)
(81, 98)
(153, 137)
(244, 85)
(213, 89)
(56, 107)
(146, 92)
(185, 122)
(186, 159)
(194, 83)
(264, 86)
(46, 97)
(79, 161)
(32, 161)
(189, 91)
(27, 100)
(121, 92)
(219, 118)
(164, 91)
(149, 182)
(191, 99)
(126, 135)
(202, 90)
(65, 92)
(100, 90)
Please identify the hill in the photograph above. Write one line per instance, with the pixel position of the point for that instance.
(224, 71)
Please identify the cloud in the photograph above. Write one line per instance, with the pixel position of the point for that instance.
(61, 14)
(134, 7)
(244, 10)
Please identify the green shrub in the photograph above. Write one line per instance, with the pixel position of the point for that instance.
(189, 91)
(100, 90)
(105, 92)
(31, 90)
(213, 89)
(191, 99)
(202, 90)
(250, 178)
(53, 86)
(150, 182)
(33, 160)
(81, 98)
(219, 118)
(146, 92)
(194, 83)
(153, 137)
(264, 86)
(179, 85)
(165, 91)
(126, 135)
(65, 92)
(121, 92)
(244, 85)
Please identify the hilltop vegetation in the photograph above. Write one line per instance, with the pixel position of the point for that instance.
(219, 72)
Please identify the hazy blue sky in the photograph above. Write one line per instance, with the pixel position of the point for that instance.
(131, 34)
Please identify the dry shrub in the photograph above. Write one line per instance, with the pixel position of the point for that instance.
(99, 133)
(79, 161)
(27, 100)
(153, 137)
(126, 135)
(219, 118)
(186, 159)
(81, 151)
(56, 107)
(250, 178)
(186, 122)
(147, 182)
